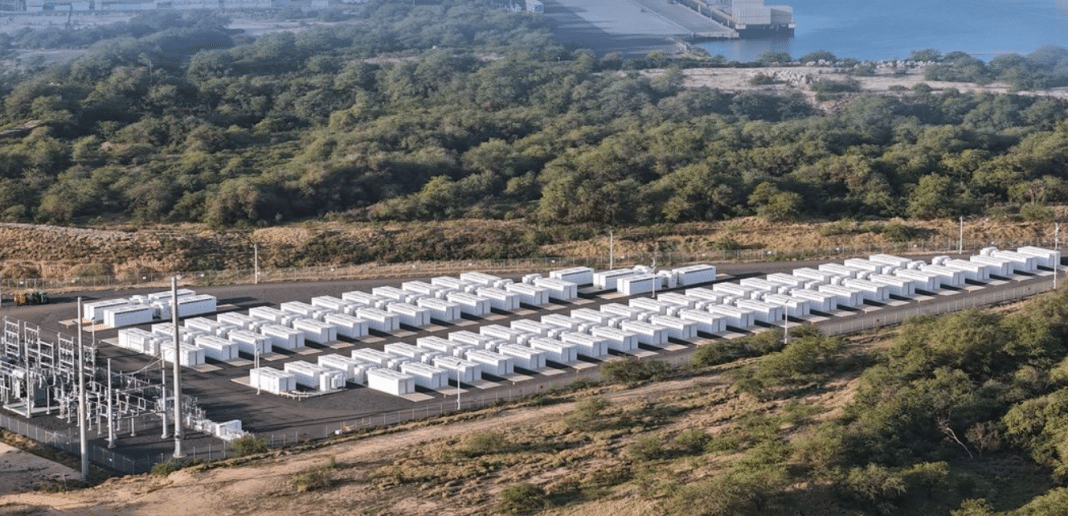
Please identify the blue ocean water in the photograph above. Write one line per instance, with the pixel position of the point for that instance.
(882, 29)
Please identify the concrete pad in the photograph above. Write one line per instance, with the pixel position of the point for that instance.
(898, 303)
(582, 366)
(495, 317)
(996, 282)
(582, 301)
(674, 347)
(340, 345)
(451, 390)
(239, 362)
(641, 353)
(307, 351)
(551, 372)
(614, 295)
(371, 340)
(400, 334)
(518, 377)
(555, 307)
(465, 322)
(417, 397)
(484, 384)
(434, 327)
(523, 311)
(271, 356)
(816, 318)
(206, 368)
(948, 293)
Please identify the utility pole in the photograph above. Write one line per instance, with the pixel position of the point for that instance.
(960, 241)
(256, 264)
(177, 371)
(611, 251)
(785, 323)
(111, 411)
(1057, 248)
(82, 437)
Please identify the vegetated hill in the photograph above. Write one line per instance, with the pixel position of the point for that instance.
(398, 112)
(961, 414)
(130, 252)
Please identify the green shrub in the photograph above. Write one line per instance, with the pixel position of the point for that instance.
(897, 232)
(589, 414)
(315, 479)
(1036, 212)
(521, 498)
(483, 443)
(167, 467)
(829, 86)
(713, 353)
(761, 79)
(633, 371)
(692, 441)
(248, 445)
(647, 448)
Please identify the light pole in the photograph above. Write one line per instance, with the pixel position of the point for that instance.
(960, 240)
(256, 264)
(611, 250)
(1057, 249)
(177, 371)
(82, 436)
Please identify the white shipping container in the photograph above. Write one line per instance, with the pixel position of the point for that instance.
(896, 285)
(587, 345)
(607, 279)
(166, 330)
(209, 326)
(189, 354)
(861, 264)
(486, 280)
(821, 301)
(763, 285)
(93, 310)
(316, 331)
(695, 274)
(563, 321)
(594, 316)
(1000, 266)
(372, 356)
(735, 289)
(425, 375)
(889, 259)
(637, 284)
(741, 318)
(303, 310)
(840, 270)
(931, 282)
(510, 335)
(1021, 262)
(555, 350)
(824, 277)
(460, 370)
(395, 294)
(474, 339)
(347, 325)
(535, 327)
(947, 276)
(245, 322)
(678, 328)
(379, 320)
(647, 333)
(470, 304)
(400, 349)
(455, 284)
(653, 305)
(334, 304)
(432, 343)
(973, 271)
(794, 306)
(126, 315)
(410, 314)
(707, 295)
(271, 315)
(499, 298)
(845, 296)
(249, 342)
(491, 362)
(315, 376)
(440, 309)
(763, 312)
(283, 337)
(787, 279)
(706, 322)
(217, 347)
(166, 294)
(196, 305)
(527, 358)
(140, 340)
(425, 289)
(630, 312)
(529, 294)
(390, 381)
(681, 300)
(577, 275)
(352, 370)
(870, 290)
(364, 299)
(558, 289)
(619, 340)
(272, 380)
(1047, 258)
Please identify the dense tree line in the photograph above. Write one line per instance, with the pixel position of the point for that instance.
(456, 109)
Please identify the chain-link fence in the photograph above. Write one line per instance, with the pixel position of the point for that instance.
(503, 266)
(67, 441)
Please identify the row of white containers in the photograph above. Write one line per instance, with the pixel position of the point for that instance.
(143, 309)
(639, 279)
